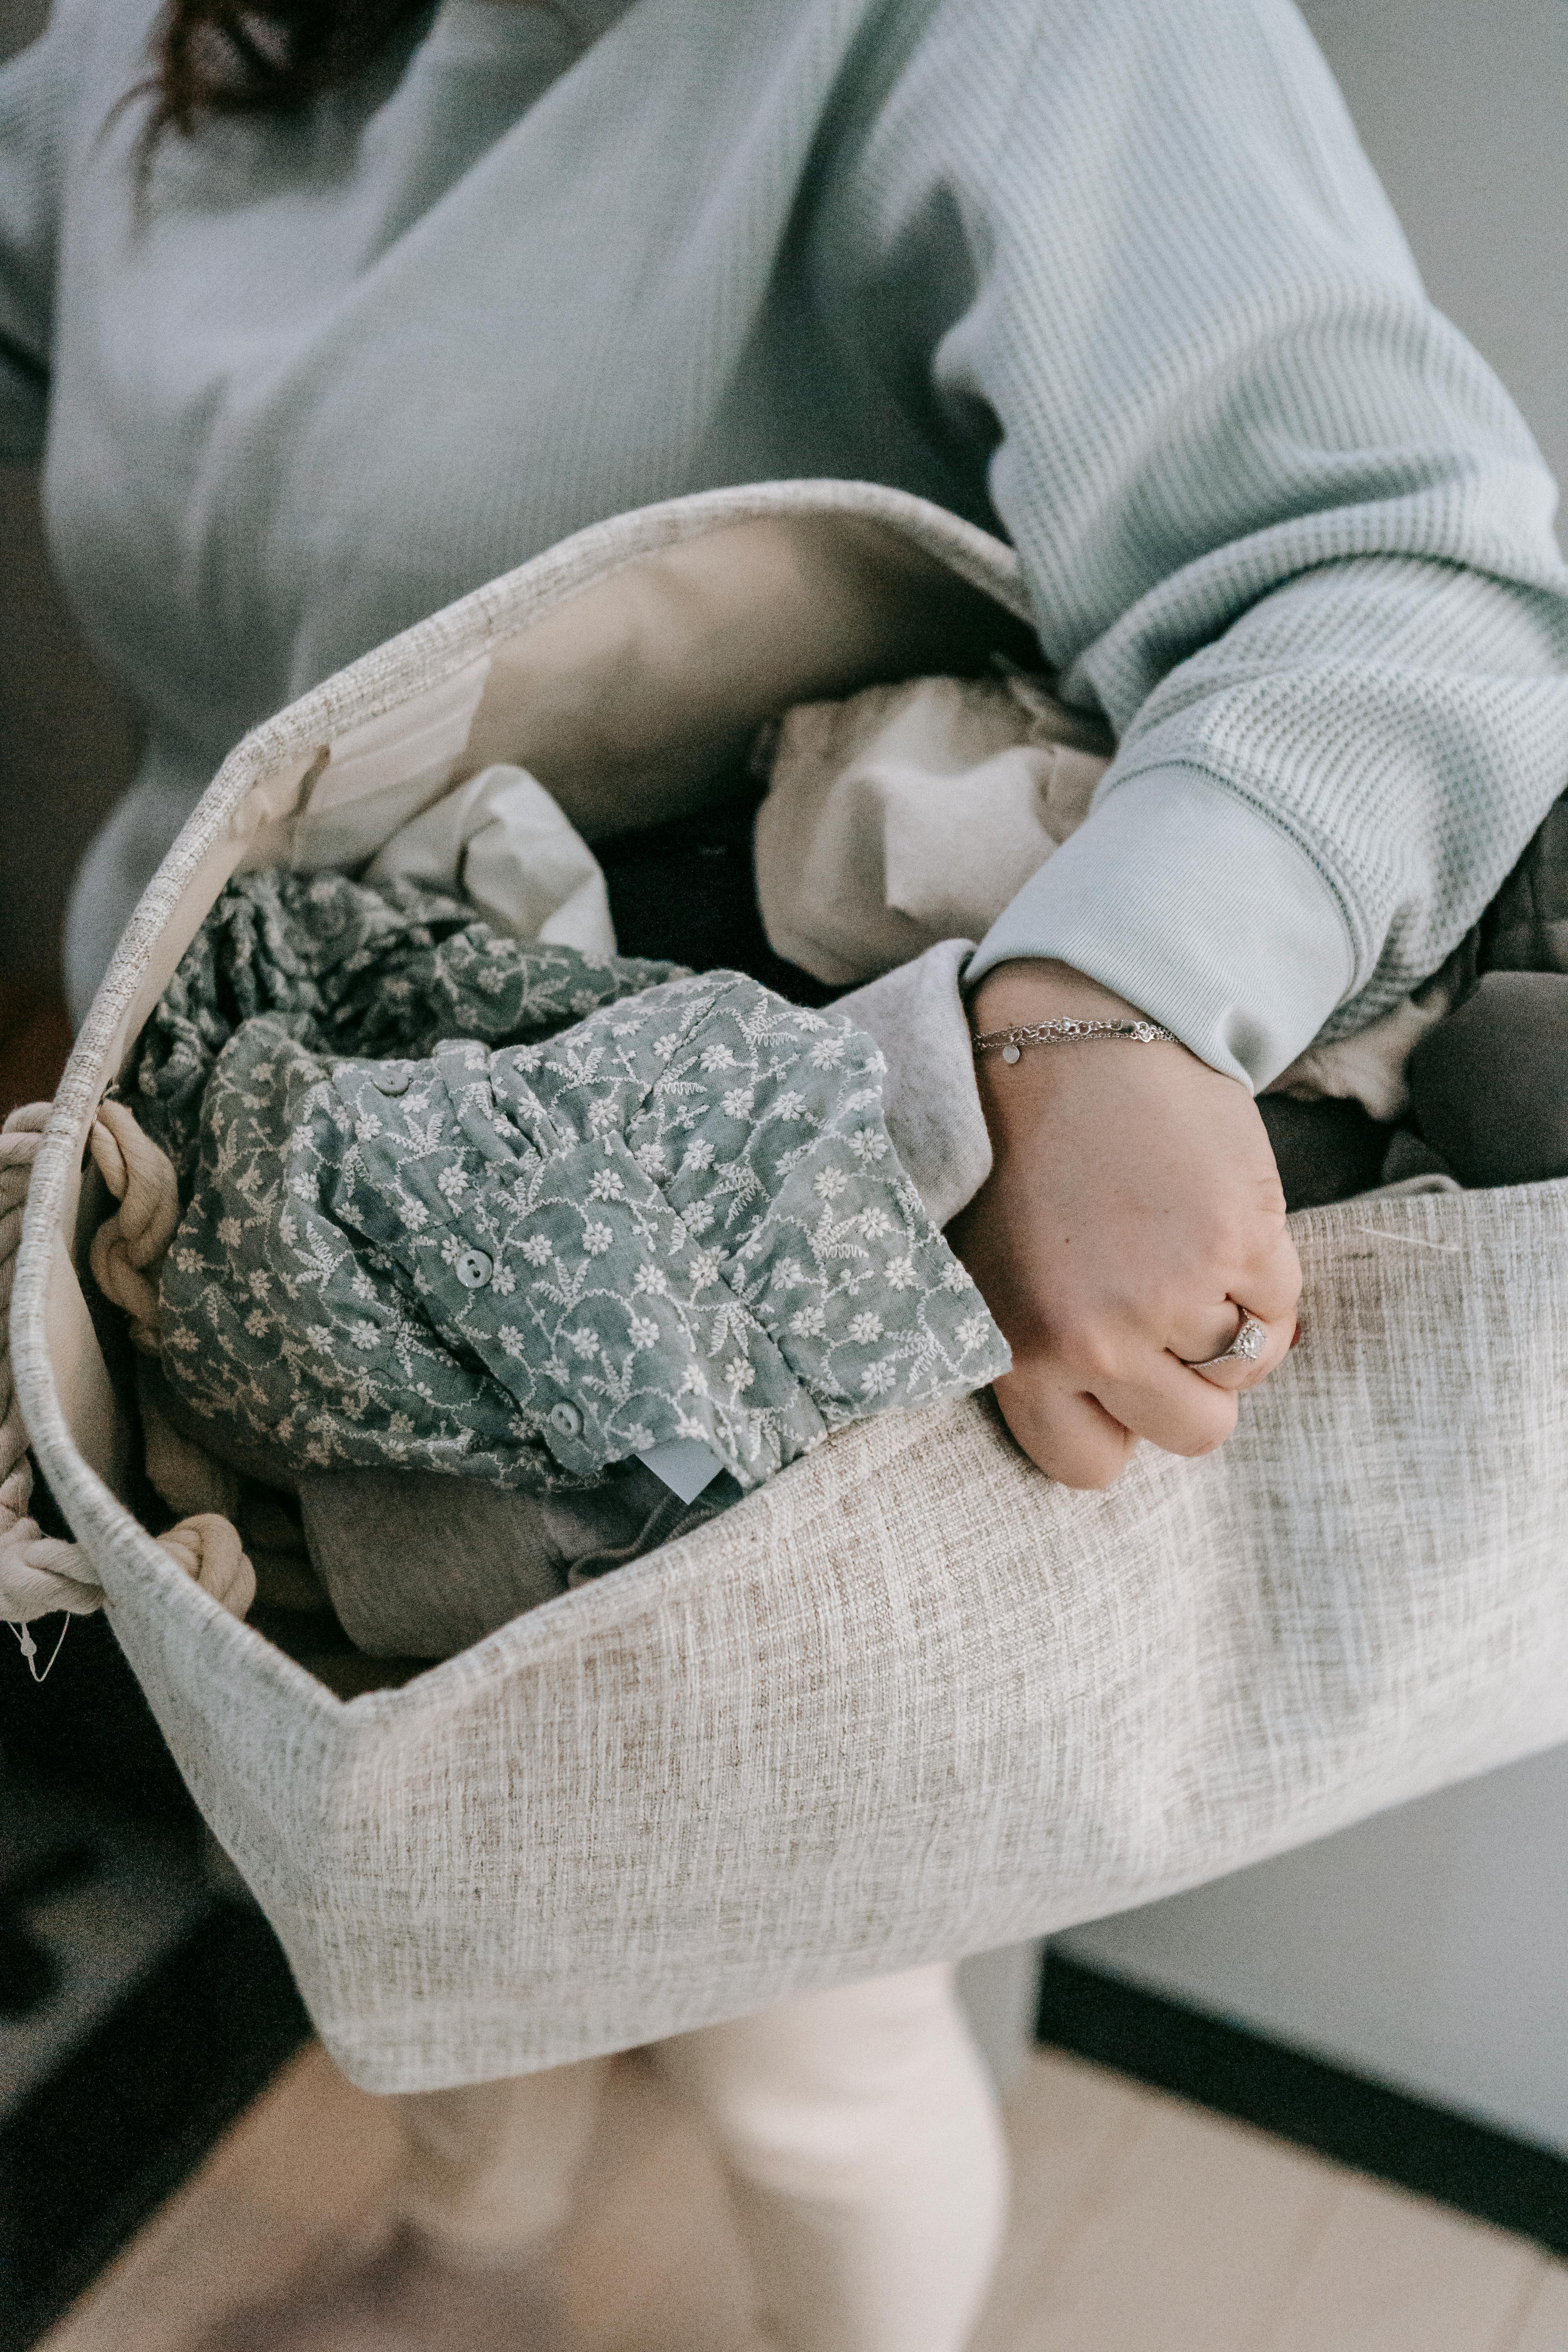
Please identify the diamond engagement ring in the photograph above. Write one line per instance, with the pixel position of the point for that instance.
(1245, 1348)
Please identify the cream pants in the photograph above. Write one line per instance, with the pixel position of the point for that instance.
(858, 2132)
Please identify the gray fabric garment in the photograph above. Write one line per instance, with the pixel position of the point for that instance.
(1409, 1161)
(1525, 928)
(1487, 1078)
(1489, 1085)
(930, 1097)
(421, 1566)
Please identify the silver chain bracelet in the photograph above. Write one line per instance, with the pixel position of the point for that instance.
(1010, 1043)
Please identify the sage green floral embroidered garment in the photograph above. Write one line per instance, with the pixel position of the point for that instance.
(679, 1217)
(353, 971)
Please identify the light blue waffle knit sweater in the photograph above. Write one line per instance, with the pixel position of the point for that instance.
(1110, 275)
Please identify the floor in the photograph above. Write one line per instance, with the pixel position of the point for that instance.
(101, 1926)
(1140, 2224)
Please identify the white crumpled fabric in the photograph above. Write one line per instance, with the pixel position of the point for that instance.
(502, 842)
(913, 813)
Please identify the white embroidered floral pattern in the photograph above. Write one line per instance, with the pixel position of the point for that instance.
(679, 1217)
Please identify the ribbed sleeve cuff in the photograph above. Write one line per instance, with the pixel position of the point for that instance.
(1199, 910)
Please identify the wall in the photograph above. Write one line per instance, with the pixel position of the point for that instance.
(1427, 1948)
(1463, 107)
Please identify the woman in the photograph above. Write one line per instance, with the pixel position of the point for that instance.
(329, 313)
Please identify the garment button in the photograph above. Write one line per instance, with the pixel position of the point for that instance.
(565, 1419)
(391, 1082)
(473, 1269)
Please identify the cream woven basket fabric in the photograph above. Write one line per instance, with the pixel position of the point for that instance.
(911, 1700)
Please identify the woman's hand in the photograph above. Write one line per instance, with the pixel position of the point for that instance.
(1133, 1210)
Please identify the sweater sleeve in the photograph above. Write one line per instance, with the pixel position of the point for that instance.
(35, 91)
(1278, 519)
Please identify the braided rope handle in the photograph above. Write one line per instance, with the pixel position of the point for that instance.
(129, 1248)
(41, 1575)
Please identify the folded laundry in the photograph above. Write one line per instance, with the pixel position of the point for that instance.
(680, 1218)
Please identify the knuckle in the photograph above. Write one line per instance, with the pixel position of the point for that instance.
(1221, 1426)
(1092, 1478)
(1279, 1268)
(1269, 1195)
(1213, 1234)
(1083, 1341)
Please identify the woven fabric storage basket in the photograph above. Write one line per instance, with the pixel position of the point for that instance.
(912, 1699)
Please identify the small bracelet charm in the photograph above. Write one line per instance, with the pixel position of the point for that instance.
(1010, 1043)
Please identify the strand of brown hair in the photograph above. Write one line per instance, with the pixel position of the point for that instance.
(263, 57)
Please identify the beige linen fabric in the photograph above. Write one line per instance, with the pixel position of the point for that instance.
(910, 1700)
(913, 813)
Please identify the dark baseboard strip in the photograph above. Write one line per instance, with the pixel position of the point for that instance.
(1497, 2179)
(99, 2146)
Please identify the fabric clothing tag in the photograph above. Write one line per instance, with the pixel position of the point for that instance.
(684, 1464)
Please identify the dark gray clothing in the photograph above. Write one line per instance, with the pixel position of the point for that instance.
(422, 1566)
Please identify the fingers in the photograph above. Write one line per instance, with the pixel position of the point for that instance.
(1082, 1439)
(1271, 1288)
(1069, 1435)
(1079, 1419)
(1085, 1438)
(1177, 1410)
(1269, 1291)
